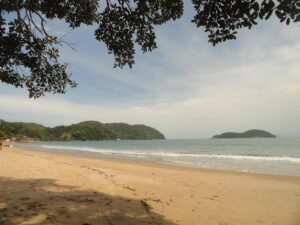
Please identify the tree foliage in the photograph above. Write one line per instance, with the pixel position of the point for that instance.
(29, 55)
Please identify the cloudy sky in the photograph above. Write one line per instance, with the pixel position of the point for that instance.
(186, 88)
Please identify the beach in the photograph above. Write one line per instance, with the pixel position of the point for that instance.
(50, 188)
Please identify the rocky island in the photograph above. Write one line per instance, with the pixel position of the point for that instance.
(247, 134)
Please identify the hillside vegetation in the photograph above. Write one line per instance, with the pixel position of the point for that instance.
(88, 130)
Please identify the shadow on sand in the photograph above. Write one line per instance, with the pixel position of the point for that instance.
(43, 201)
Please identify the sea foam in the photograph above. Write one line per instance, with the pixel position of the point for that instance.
(163, 155)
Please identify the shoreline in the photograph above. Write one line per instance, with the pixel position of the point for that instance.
(39, 187)
(150, 162)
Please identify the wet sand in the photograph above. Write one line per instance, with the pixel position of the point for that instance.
(51, 188)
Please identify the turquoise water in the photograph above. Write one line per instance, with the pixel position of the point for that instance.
(260, 155)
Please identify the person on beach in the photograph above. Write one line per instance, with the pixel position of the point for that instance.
(2, 140)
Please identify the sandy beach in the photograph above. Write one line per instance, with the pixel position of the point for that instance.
(51, 188)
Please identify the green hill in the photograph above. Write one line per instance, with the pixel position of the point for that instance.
(126, 131)
(87, 130)
(247, 134)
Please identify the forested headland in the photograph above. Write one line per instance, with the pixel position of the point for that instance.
(87, 130)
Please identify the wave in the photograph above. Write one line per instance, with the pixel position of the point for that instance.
(163, 155)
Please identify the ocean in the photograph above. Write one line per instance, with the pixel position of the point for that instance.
(258, 155)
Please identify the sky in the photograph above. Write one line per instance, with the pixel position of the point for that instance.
(186, 88)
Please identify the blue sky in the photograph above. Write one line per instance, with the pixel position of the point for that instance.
(186, 88)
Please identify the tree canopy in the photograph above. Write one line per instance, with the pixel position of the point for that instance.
(29, 54)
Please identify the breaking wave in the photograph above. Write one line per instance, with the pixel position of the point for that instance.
(170, 155)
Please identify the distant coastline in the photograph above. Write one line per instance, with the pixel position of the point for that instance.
(83, 131)
(254, 133)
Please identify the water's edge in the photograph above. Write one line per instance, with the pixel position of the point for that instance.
(281, 157)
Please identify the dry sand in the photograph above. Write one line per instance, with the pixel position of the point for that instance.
(48, 188)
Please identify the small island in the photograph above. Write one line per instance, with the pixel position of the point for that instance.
(247, 134)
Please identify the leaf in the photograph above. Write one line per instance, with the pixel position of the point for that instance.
(279, 14)
(297, 18)
(269, 14)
